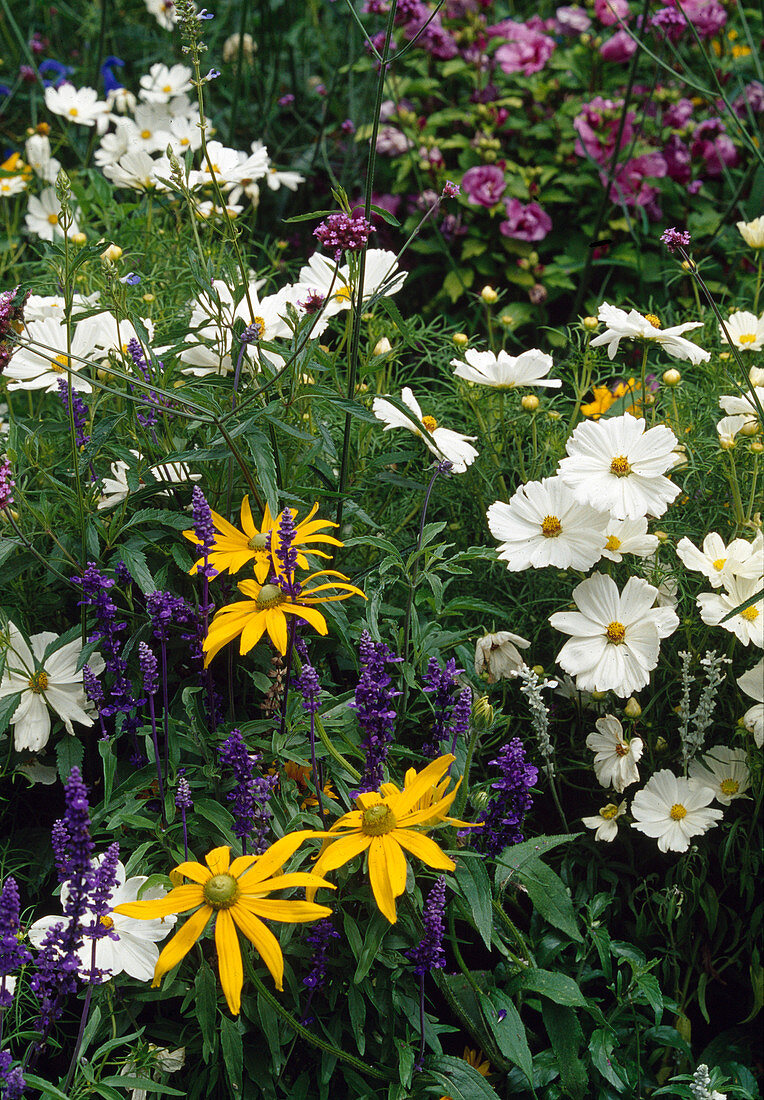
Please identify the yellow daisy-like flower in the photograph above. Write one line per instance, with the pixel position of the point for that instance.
(232, 548)
(383, 826)
(266, 609)
(236, 894)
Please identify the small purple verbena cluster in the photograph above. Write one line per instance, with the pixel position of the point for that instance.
(675, 238)
(344, 233)
(503, 817)
(12, 1083)
(313, 303)
(374, 708)
(204, 529)
(12, 953)
(6, 484)
(11, 316)
(251, 795)
(319, 937)
(451, 190)
(71, 399)
(428, 954)
(452, 705)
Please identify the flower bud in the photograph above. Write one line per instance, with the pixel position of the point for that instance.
(538, 669)
(590, 323)
(489, 295)
(598, 695)
(661, 745)
(632, 708)
(727, 444)
(757, 446)
(148, 297)
(507, 320)
(751, 427)
(113, 253)
(382, 347)
(483, 714)
(530, 402)
(78, 238)
(461, 339)
(672, 377)
(662, 536)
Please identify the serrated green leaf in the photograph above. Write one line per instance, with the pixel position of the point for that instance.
(377, 929)
(460, 1080)
(69, 754)
(475, 884)
(205, 1004)
(566, 1037)
(509, 1031)
(549, 896)
(109, 767)
(262, 453)
(558, 987)
(136, 562)
(601, 1051)
(232, 1049)
(517, 855)
(7, 709)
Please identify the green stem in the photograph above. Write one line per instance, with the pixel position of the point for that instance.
(758, 285)
(329, 746)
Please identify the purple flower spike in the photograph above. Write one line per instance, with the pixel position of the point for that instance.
(12, 953)
(428, 954)
(6, 484)
(204, 529)
(251, 795)
(12, 1084)
(374, 708)
(319, 937)
(183, 800)
(504, 814)
(149, 667)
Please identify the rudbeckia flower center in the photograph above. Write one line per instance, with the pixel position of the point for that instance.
(430, 423)
(747, 338)
(39, 682)
(270, 595)
(654, 321)
(612, 543)
(677, 812)
(259, 541)
(616, 633)
(106, 922)
(719, 564)
(608, 812)
(221, 891)
(551, 527)
(378, 820)
(729, 786)
(750, 613)
(620, 466)
(622, 749)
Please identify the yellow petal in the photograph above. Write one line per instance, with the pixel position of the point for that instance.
(396, 864)
(247, 523)
(252, 632)
(367, 799)
(219, 860)
(240, 865)
(194, 871)
(310, 615)
(229, 960)
(341, 851)
(273, 858)
(275, 622)
(428, 777)
(288, 912)
(182, 942)
(177, 901)
(425, 849)
(379, 877)
(285, 882)
(263, 939)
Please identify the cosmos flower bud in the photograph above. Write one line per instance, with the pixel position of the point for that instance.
(483, 714)
(78, 238)
(113, 253)
(590, 323)
(461, 339)
(489, 295)
(530, 402)
(632, 708)
(382, 347)
(672, 377)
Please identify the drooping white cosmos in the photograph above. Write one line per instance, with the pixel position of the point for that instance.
(620, 325)
(606, 821)
(505, 372)
(615, 757)
(47, 683)
(545, 524)
(629, 536)
(498, 655)
(615, 636)
(672, 809)
(443, 442)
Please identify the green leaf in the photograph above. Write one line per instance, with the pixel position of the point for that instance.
(377, 930)
(69, 754)
(517, 855)
(550, 898)
(232, 1049)
(7, 709)
(457, 282)
(476, 887)
(215, 813)
(566, 1037)
(45, 1087)
(270, 1025)
(262, 453)
(558, 987)
(205, 1003)
(460, 1080)
(651, 991)
(601, 1050)
(385, 215)
(109, 768)
(135, 560)
(145, 1083)
(509, 1032)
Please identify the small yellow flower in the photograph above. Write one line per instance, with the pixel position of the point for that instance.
(235, 893)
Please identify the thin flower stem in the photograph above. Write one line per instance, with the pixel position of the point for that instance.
(165, 706)
(83, 1022)
(288, 673)
(157, 758)
(420, 1060)
(32, 550)
(185, 834)
(737, 503)
(555, 795)
(329, 746)
(758, 284)
(317, 784)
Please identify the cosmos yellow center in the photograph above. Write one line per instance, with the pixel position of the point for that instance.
(39, 682)
(53, 219)
(612, 543)
(430, 423)
(620, 466)
(747, 338)
(551, 527)
(221, 891)
(677, 812)
(378, 820)
(60, 364)
(145, 134)
(343, 294)
(616, 633)
(106, 922)
(719, 564)
(73, 112)
(270, 595)
(729, 786)
(622, 749)
(259, 324)
(750, 613)
(608, 812)
(167, 89)
(259, 541)
(654, 321)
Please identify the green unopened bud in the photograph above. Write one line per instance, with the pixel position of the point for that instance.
(598, 695)
(530, 402)
(489, 295)
(632, 708)
(590, 323)
(461, 339)
(483, 714)
(661, 745)
(672, 377)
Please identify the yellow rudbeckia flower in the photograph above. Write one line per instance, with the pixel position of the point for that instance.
(383, 826)
(235, 893)
(232, 548)
(266, 609)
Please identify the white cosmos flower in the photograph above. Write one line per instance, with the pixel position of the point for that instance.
(41, 358)
(503, 371)
(79, 105)
(615, 758)
(46, 683)
(633, 326)
(725, 771)
(276, 179)
(133, 948)
(544, 524)
(115, 489)
(629, 536)
(185, 134)
(162, 83)
(747, 625)
(164, 12)
(613, 464)
(742, 406)
(606, 821)
(43, 216)
(230, 167)
(718, 562)
(443, 442)
(672, 809)
(163, 1060)
(746, 331)
(499, 655)
(40, 306)
(39, 159)
(114, 145)
(729, 426)
(752, 232)
(138, 170)
(616, 636)
(381, 277)
(752, 683)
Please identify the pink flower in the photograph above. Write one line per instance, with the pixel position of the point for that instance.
(572, 20)
(679, 114)
(525, 223)
(611, 11)
(712, 144)
(527, 50)
(678, 159)
(597, 128)
(391, 142)
(707, 16)
(619, 47)
(483, 185)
